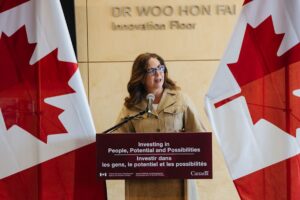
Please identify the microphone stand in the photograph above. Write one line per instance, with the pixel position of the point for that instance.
(127, 119)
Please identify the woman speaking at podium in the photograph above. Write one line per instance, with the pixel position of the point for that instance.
(168, 110)
(150, 88)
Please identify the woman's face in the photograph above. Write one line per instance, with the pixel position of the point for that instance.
(155, 76)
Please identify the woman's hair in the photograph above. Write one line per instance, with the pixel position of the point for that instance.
(136, 87)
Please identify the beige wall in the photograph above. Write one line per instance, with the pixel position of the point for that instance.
(105, 57)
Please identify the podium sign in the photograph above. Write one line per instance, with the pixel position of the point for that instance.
(154, 155)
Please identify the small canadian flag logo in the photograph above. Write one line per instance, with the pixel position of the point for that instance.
(102, 174)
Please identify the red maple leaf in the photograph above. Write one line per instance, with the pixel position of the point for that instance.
(8, 4)
(24, 87)
(246, 1)
(267, 81)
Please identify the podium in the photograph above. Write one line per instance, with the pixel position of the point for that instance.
(155, 165)
(153, 189)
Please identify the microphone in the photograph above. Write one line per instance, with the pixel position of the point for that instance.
(150, 98)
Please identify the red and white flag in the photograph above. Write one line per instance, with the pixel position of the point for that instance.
(47, 136)
(254, 101)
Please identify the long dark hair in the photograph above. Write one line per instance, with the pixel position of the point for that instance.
(136, 89)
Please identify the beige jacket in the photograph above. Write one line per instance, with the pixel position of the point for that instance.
(175, 113)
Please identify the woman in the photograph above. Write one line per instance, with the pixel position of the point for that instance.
(172, 110)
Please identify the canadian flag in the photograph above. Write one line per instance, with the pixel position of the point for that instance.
(47, 136)
(254, 101)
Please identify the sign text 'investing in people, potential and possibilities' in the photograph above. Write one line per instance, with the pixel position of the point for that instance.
(154, 155)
